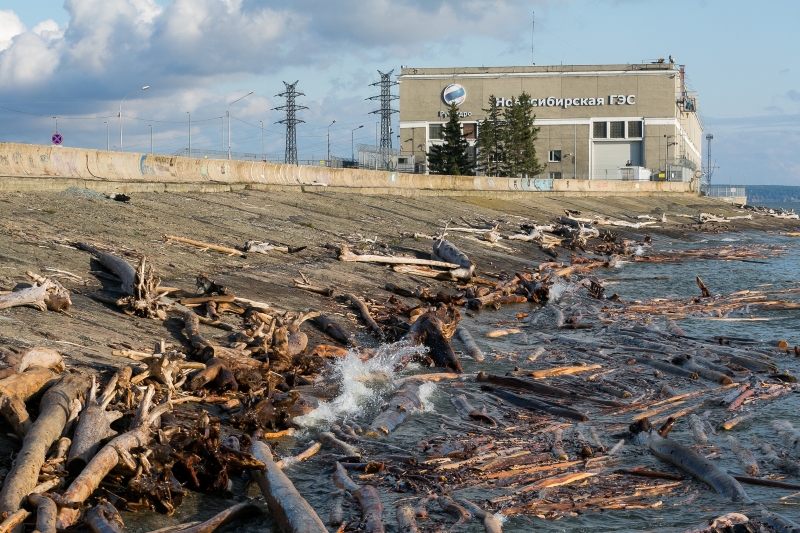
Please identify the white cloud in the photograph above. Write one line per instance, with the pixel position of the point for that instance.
(10, 27)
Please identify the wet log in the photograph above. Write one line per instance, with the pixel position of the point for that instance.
(46, 512)
(328, 438)
(53, 412)
(666, 367)
(428, 329)
(726, 522)
(469, 343)
(112, 454)
(536, 405)
(367, 496)
(94, 426)
(744, 456)
(703, 289)
(689, 461)
(455, 510)
(332, 329)
(235, 512)
(780, 523)
(447, 251)
(753, 364)
(290, 510)
(406, 521)
(542, 388)
(490, 523)
(639, 472)
(104, 518)
(365, 314)
(687, 363)
(17, 389)
(467, 411)
(403, 402)
(766, 482)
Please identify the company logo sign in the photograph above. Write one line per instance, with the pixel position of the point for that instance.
(454, 94)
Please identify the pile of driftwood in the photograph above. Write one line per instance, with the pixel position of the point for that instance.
(595, 383)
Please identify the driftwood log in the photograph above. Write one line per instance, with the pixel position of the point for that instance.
(205, 246)
(368, 498)
(112, 454)
(332, 329)
(53, 412)
(288, 507)
(447, 251)
(469, 343)
(402, 403)
(94, 426)
(240, 510)
(366, 315)
(18, 388)
(45, 294)
(434, 329)
(104, 518)
(46, 512)
(346, 255)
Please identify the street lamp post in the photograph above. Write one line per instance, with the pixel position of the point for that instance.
(352, 149)
(151, 139)
(190, 133)
(228, 114)
(262, 138)
(329, 141)
(106, 123)
(120, 115)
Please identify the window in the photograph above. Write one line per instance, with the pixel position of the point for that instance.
(554, 156)
(555, 175)
(469, 130)
(635, 128)
(600, 130)
(435, 131)
(618, 130)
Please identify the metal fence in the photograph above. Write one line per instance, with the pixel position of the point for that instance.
(726, 191)
(220, 154)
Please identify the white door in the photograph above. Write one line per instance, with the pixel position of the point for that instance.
(610, 155)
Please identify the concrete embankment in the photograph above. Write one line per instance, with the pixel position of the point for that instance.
(26, 167)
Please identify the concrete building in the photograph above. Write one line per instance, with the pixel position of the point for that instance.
(597, 121)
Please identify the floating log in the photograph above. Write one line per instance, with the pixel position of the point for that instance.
(290, 510)
(542, 388)
(469, 343)
(535, 405)
(406, 521)
(367, 496)
(402, 403)
(689, 461)
(429, 329)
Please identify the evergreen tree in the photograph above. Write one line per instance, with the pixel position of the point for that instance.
(519, 137)
(490, 140)
(451, 157)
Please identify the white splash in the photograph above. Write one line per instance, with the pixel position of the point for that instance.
(361, 384)
(501, 518)
(558, 289)
(426, 391)
(639, 251)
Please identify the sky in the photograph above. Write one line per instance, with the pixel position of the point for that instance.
(76, 59)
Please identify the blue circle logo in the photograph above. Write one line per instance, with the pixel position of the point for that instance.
(454, 94)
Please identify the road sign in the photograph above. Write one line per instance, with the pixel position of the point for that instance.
(57, 138)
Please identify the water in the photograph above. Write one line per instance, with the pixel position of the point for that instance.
(365, 384)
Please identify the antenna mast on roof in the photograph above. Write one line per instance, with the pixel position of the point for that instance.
(533, 28)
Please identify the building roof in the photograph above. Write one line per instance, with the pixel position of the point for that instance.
(533, 70)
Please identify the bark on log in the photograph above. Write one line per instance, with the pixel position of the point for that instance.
(332, 329)
(110, 455)
(217, 373)
(542, 388)
(14, 521)
(447, 251)
(402, 403)
(406, 521)
(469, 343)
(121, 268)
(536, 405)
(346, 255)
(41, 357)
(368, 498)
(687, 363)
(18, 388)
(46, 512)
(54, 409)
(104, 518)
(365, 314)
(689, 461)
(428, 330)
(703, 289)
(46, 294)
(290, 510)
(94, 426)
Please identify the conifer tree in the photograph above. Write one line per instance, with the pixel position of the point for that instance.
(519, 137)
(451, 157)
(490, 140)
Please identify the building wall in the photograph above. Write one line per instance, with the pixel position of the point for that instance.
(647, 93)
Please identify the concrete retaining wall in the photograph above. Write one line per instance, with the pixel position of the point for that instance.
(36, 167)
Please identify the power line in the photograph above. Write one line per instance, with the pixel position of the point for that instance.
(291, 121)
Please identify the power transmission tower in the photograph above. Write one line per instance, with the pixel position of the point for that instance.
(291, 121)
(385, 111)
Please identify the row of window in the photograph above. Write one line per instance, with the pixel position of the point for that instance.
(617, 129)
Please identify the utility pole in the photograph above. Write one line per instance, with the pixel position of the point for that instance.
(709, 170)
(190, 133)
(385, 112)
(228, 114)
(329, 141)
(262, 139)
(151, 139)
(291, 121)
(352, 136)
(106, 123)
